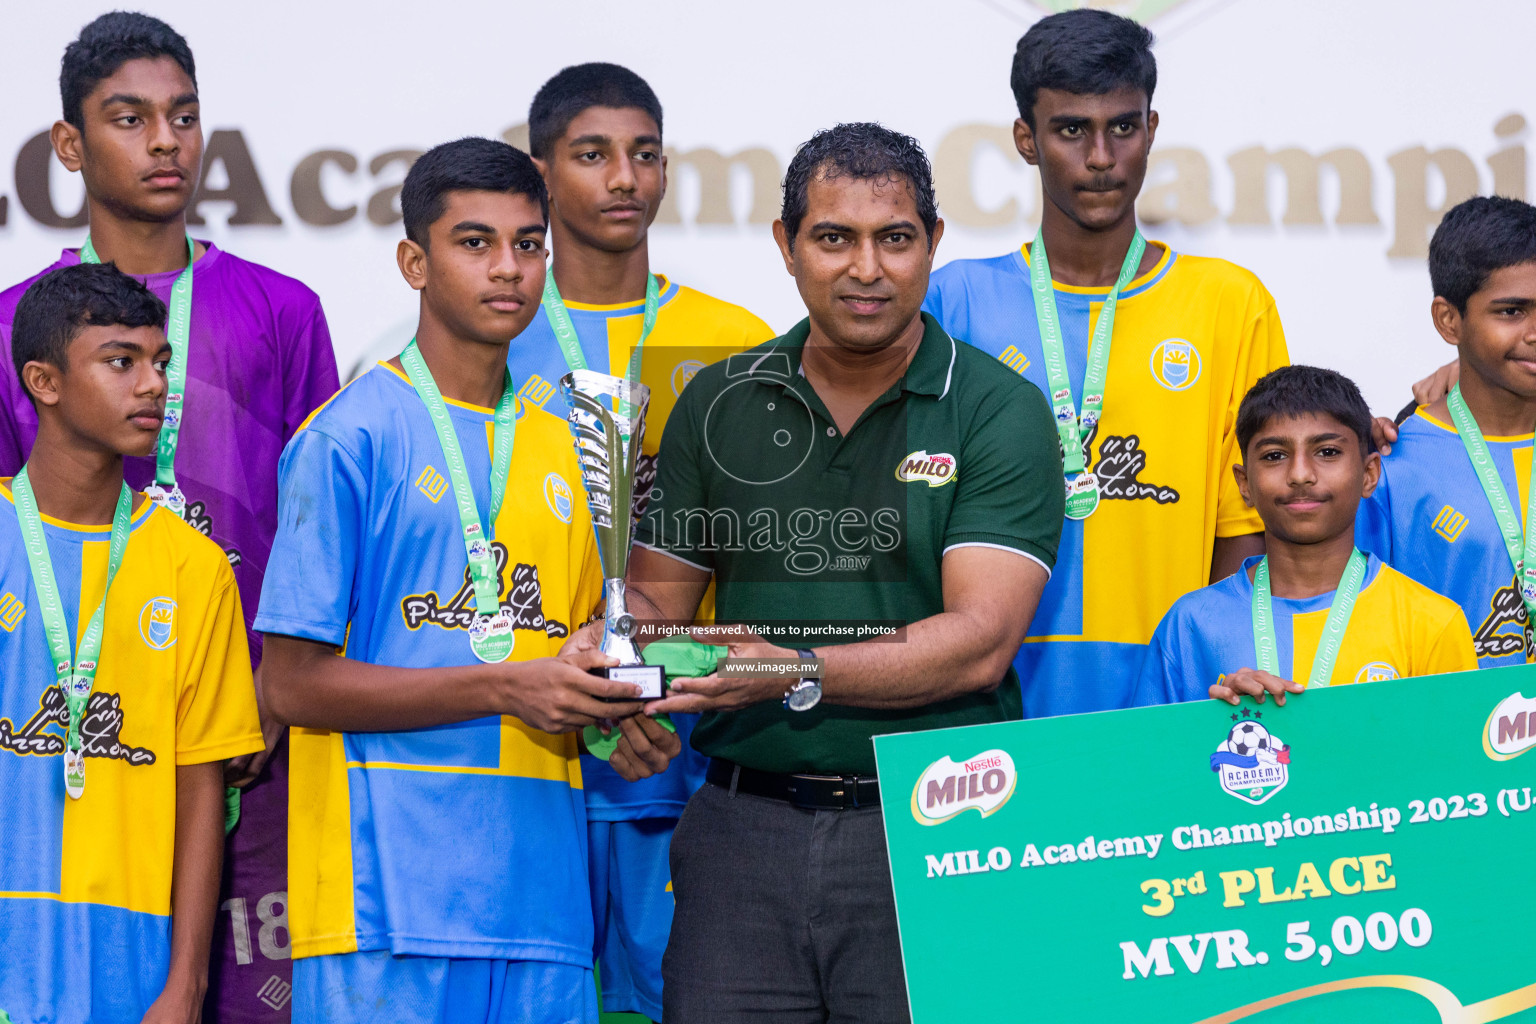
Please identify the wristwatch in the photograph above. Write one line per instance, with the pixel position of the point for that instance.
(806, 692)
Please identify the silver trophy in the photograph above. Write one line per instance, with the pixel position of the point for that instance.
(607, 421)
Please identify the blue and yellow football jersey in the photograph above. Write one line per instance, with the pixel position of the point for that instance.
(1430, 520)
(1191, 336)
(692, 330)
(466, 840)
(1398, 628)
(85, 885)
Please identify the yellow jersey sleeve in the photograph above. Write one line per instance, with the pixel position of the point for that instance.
(1262, 350)
(1452, 650)
(216, 699)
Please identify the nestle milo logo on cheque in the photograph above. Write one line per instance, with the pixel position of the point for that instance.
(947, 788)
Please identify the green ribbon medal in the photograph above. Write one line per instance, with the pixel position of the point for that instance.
(565, 331)
(491, 633)
(1071, 428)
(1520, 545)
(74, 676)
(1333, 630)
(163, 491)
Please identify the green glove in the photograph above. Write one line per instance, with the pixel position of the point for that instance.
(681, 658)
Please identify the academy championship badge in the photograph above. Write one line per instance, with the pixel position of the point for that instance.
(1252, 763)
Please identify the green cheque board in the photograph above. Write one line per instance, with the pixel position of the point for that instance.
(1365, 853)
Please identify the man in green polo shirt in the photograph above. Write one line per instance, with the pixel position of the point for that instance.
(862, 473)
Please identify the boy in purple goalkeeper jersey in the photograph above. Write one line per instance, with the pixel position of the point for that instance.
(256, 358)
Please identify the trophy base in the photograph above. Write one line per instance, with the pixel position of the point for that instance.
(652, 680)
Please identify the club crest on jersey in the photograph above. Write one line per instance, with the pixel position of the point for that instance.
(1252, 763)
(1376, 672)
(157, 623)
(558, 496)
(935, 470)
(683, 372)
(1175, 364)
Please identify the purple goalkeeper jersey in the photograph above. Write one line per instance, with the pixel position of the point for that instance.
(259, 362)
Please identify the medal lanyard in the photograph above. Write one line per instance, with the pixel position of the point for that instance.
(1071, 427)
(1333, 630)
(74, 676)
(477, 538)
(177, 331)
(570, 342)
(1520, 545)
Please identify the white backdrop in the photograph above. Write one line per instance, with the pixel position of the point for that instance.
(1407, 102)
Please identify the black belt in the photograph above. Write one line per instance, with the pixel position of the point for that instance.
(811, 792)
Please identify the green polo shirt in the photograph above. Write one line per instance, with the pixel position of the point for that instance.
(815, 536)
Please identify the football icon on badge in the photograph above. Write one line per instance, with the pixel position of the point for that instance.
(1252, 763)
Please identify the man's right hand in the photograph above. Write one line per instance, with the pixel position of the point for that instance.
(1255, 683)
(561, 695)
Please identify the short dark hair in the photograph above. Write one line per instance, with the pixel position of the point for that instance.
(866, 152)
(1301, 391)
(465, 165)
(574, 89)
(1476, 238)
(1084, 51)
(60, 304)
(108, 43)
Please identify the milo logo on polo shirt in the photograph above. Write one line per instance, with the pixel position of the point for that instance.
(935, 470)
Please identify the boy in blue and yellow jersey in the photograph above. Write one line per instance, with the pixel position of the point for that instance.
(1313, 610)
(125, 681)
(1435, 516)
(437, 862)
(1144, 354)
(595, 133)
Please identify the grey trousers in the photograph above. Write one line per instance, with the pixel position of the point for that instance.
(784, 916)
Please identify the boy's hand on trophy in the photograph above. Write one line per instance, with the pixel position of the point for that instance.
(645, 748)
(587, 638)
(561, 695)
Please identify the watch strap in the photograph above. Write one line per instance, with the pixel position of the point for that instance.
(806, 654)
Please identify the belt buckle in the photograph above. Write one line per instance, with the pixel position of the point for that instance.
(804, 792)
(850, 792)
